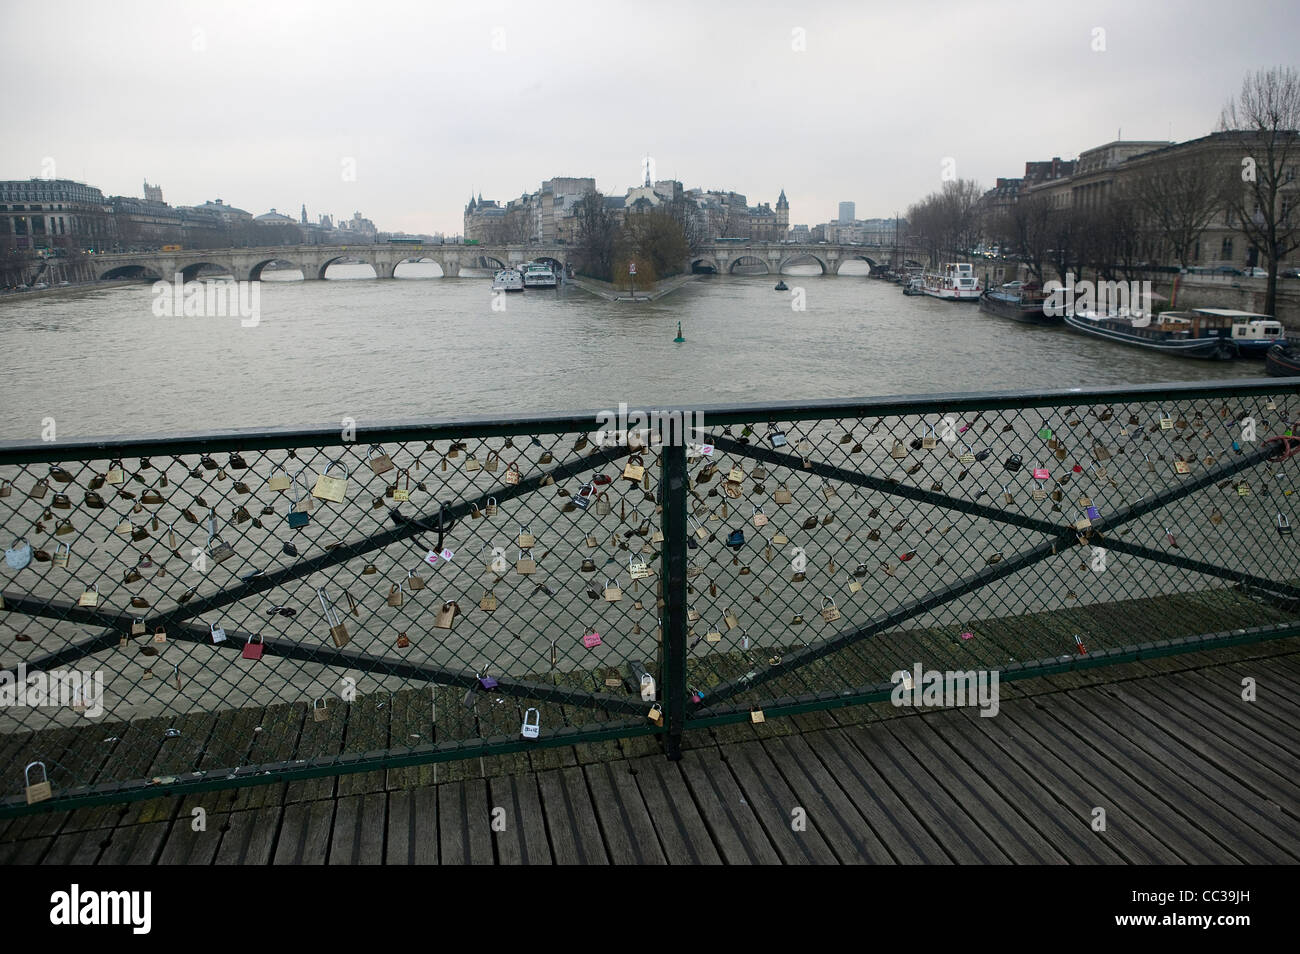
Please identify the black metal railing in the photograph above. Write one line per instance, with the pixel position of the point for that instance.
(282, 605)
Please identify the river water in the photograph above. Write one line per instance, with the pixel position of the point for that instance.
(100, 362)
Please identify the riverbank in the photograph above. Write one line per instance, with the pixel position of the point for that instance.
(612, 292)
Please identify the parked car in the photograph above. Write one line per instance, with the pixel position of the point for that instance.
(1228, 270)
(1256, 272)
(1289, 273)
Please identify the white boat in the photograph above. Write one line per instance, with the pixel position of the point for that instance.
(537, 275)
(508, 280)
(957, 282)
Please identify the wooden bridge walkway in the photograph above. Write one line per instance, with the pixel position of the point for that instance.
(1185, 769)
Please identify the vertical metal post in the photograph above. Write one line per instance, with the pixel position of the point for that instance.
(675, 486)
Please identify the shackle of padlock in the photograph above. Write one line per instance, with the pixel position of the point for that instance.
(331, 614)
(27, 773)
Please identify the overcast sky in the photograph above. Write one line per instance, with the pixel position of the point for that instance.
(261, 103)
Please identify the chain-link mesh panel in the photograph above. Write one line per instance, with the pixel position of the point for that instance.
(283, 606)
(235, 610)
(828, 555)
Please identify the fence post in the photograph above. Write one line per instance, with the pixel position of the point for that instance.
(675, 485)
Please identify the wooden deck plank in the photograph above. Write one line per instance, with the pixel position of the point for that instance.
(318, 740)
(29, 851)
(771, 793)
(249, 837)
(629, 832)
(359, 825)
(571, 819)
(737, 834)
(1238, 753)
(185, 846)
(1239, 808)
(524, 841)
(138, 844)
(1232, 840)
(282, 727)
(77, 848)
(411, 725)
(820, 794)
(681, 829)
(366, 731)
(968, 788)
(464, 823)
(948, 824)
(454, 721)
(305, 831)
(412, 827)
(1120, 794)
(1060, 823)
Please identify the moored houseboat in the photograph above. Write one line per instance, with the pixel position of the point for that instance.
(956, 282)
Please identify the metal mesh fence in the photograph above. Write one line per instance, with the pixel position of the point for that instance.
(206, 611)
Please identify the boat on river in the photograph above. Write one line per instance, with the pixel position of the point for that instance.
(1282, 361)
(508, 279)
(1024, 304)
(1186, 335)
(957, 282)
(537, 275)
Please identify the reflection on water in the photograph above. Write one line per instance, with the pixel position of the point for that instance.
(100, 362)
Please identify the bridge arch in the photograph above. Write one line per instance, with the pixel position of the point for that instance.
(191, 271)
(349, 259)
(872, 265)
(748, 261)
(706, 264)
(141, 273)
(255, 273)
(419, 260)
(553, 263)
(804, 258)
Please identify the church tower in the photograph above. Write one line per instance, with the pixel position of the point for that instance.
(782, 215)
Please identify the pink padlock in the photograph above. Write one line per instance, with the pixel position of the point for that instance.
(591, 640)
(1040, 473)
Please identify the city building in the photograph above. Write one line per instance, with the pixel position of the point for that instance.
(37, 214)
(848, 212)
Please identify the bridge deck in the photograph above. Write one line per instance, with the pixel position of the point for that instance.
(1186, 770)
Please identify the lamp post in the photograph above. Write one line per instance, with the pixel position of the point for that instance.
(631, 279)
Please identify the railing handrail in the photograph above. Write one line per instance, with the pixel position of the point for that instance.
(494, 425)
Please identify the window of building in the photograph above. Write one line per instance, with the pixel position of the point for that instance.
(1227, 249)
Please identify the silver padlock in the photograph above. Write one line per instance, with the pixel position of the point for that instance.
(647, 687)
(532, 726)
(218, 634)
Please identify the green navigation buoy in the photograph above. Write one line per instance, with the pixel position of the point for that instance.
(679, 339)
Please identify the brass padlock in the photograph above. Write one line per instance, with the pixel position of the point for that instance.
(338, 630)
(37, 791)
(488, 603)
(333, 489)
(446, 615)
(395, 595)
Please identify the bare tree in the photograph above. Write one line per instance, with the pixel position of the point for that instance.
(1179, 198)
(1268, 110)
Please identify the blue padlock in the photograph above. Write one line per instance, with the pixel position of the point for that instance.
(736, 538)
(1093, 513)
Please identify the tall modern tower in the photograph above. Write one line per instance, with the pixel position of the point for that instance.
(848, 212)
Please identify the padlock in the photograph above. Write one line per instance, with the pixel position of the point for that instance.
(395, 595)
(776, 438)
(613, 592)
(602, 508)
(656, 713)
(492, 462)
(378, 460)
(338, 629)
(637, 569)
(414, 581)
(1243, 489)
(830, 612)
(62, 555)
(1283, 525)
(217, 633)
(333, 489)
(219, 550)
(488, 603)
(526, 540)
(116, 475)
(446, 617)
(1007, 496)
(37, 791)
(1078, 642)
(320, 710)
(137, 626)
(253, 650)
(1042, 473)
(591, 639)
(279, 482)
(1171, 539)
(512, 475)
(782, 496)
(491, 508)
(403, 493)
(756, 716)
(648, 689)
(89, 598)
(634, 469)
(1180, 467)
(19, 555)
(532, 726)
(525, 565)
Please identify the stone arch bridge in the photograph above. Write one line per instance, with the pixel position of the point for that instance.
(247, 264)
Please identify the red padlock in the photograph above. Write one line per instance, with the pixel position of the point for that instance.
(253, 650)
(1078, 641)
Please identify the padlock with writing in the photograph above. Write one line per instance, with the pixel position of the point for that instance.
(217, 633)
(378, 460)
(446, 617)
(532, 726)
(333, 489)
(37, 791)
